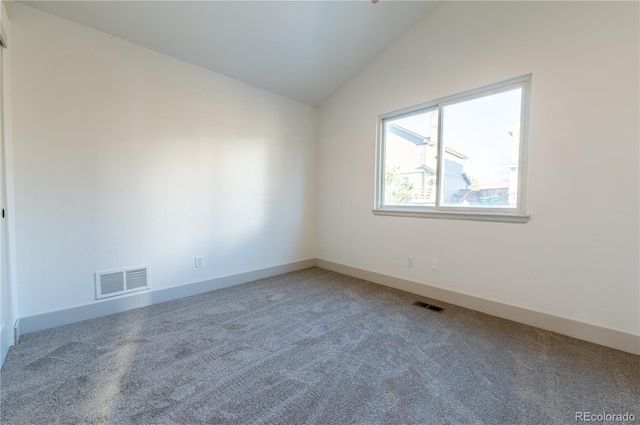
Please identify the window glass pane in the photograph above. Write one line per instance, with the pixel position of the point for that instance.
(481, 151)
(410, 161)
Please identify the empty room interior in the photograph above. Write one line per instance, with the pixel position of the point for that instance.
(320, 212)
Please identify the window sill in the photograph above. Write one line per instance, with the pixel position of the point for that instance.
(455, 215)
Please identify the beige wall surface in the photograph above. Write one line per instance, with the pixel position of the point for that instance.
(578, 256)
(124, 156)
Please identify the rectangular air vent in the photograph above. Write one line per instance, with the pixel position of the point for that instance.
(428, 306)
(118, 282)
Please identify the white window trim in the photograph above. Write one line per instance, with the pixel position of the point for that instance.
(511, 215)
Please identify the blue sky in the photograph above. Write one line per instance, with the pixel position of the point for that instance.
(478, 128)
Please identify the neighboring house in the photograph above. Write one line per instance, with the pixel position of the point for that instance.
(411, 165)
(413, 157)
(512, 165)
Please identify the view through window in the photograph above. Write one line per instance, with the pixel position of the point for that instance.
(462, 153)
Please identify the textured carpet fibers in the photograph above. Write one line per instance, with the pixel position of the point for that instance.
(310, 347)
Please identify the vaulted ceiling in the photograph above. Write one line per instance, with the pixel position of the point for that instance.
(303, 50)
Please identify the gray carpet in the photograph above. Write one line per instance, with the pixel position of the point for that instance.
(310, 347)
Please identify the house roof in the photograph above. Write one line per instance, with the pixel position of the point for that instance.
(414, 138)
(418, 169)
(455, 153)
(418, 139)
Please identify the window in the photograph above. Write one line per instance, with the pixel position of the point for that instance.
(418, 153)
(462, 156)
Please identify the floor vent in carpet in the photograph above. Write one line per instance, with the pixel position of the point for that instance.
(428, 306)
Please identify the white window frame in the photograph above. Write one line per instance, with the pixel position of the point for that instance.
(514, 215)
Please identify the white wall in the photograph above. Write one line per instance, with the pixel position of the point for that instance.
(7, 272)
(125, 157)
(578, 257)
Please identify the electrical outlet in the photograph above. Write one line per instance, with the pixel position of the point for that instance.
(434, 264)
(409, 261)
(198, 262)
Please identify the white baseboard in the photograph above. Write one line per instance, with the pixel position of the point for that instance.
(5, 347)
(7, 339)
(585, 331)
(142, 299)
(16, 332)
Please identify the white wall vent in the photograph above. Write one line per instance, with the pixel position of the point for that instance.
(118, 282)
